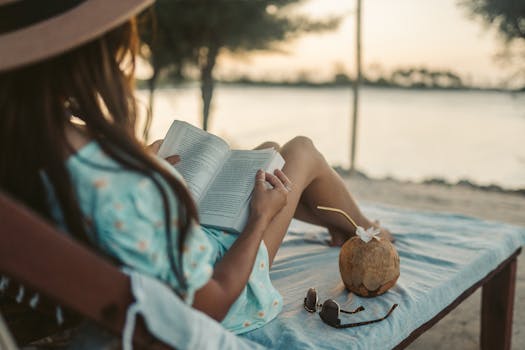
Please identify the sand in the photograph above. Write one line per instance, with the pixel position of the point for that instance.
(460, 328)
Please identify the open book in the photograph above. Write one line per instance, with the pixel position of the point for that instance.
(220, 180)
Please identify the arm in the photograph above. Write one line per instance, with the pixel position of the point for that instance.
(231, 274)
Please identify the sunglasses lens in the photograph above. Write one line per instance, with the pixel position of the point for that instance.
(330, 312)
(310, 302)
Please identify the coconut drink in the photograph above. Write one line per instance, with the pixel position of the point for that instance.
(369, 265)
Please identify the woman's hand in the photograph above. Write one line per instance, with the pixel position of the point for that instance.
(269, 195)
(154, 148)
(232, 272)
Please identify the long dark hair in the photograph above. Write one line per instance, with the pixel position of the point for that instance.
(94, 83)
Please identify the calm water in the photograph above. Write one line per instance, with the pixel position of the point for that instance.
(404, 134)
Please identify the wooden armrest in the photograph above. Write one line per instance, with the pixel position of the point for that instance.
(37, 255)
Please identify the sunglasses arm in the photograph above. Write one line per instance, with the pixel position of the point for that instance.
(359, 309)
(357, 324)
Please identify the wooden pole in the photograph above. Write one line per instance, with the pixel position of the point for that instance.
(357, 82)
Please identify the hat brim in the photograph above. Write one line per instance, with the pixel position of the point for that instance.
(66, 31)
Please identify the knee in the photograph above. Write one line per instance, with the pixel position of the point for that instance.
(301, 145)
(303, 142)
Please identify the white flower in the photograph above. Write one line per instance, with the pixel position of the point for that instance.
(367, 235)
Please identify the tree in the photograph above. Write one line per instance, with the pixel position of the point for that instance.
(508, 16)
(426, 78)
(193, 33)
(164, 53)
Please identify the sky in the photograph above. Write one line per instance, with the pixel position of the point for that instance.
(437, 34)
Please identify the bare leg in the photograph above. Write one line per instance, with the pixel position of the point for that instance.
(303, 213)
(314, 183)
(339, 234)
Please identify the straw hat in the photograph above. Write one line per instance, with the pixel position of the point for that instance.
(45, 28)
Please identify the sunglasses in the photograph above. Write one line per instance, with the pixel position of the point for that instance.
(330, 311)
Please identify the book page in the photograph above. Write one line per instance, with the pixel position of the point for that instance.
(231, 189)
(276, 162)
(201, 153)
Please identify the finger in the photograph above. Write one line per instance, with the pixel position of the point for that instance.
(155, 146)
(260, 175)
(174, 159)
(284, 179)
(260, 179)
(275, 182)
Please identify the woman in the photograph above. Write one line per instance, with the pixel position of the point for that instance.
(68, 150)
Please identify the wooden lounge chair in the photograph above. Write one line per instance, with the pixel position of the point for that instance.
(497, 305)
(38, 256)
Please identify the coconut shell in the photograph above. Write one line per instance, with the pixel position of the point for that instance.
(368, 269)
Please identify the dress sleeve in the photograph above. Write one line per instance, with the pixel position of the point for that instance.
(130, 226)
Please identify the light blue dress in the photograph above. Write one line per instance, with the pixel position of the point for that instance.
(124, 216)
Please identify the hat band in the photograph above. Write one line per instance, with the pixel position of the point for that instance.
(23, 13)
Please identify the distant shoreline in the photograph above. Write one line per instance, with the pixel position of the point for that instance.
(466, 183)
(142, 85)
(365, 84)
